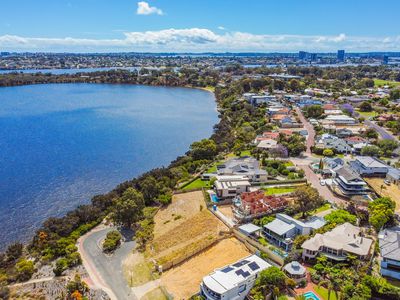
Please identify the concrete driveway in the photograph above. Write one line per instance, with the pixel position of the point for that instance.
(106, 271)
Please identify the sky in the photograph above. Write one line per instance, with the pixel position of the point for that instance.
(199, 25)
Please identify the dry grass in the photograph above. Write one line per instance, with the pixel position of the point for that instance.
(137, 270)
(184, 205)
(184, 281)
(392, 191)
(156, 294)
(226, 210)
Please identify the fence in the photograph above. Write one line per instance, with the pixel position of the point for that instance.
(276, 259)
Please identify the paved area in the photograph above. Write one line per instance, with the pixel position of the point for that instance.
(106, 271)
(309, 128)
(382, 131)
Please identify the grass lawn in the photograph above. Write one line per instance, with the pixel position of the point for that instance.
(243, 153)
(140, 273)
(198, 183)
(324, 207)
(279, 190)
(381, 82)
(323, 292)
(367, 114)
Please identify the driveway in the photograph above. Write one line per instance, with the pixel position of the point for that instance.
(106, 271)
(309, 128)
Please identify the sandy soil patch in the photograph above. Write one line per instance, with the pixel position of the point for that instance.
(226, 210)
(392, 191)
(184, 281)
(183, 207)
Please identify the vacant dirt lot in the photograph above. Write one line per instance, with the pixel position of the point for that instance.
(391, 191)
(183, 207)
(183, 227)
(226, 210)
(184, 281)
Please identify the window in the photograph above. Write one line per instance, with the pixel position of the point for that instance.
(242, 288)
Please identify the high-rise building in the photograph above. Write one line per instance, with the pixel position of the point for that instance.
(313, 56)
(385, 59)
(340, 55)
(302, 55)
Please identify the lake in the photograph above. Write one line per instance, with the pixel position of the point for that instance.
(60, 144)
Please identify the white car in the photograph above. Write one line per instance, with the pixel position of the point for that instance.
(322, 182)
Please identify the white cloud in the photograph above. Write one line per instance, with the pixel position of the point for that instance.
(144, 8)
(200, 40)
(221, 28)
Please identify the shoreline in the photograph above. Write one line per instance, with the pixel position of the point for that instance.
(88, 201)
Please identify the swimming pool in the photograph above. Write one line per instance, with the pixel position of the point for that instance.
(214, 198)
(311, 296)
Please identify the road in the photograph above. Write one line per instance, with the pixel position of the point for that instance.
(382, 131)
(309, 128)
(106, 271)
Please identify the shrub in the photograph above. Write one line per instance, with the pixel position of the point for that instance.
(25, 269)
(112, 241)
(61, 266)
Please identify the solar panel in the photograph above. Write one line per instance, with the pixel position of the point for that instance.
(245, 274)
(227, 269)
(241, 272)
(241, 263)
(254, 266)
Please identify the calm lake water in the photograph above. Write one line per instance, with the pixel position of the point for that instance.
(61, 144)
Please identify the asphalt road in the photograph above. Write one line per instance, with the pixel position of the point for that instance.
(107, 270)
(382, 131)
(309, 128)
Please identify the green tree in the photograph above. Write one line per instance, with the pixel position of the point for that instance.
(387, 147)
(371, 133)
(307, 198)
(381, 212)
(150, 188)
(61, 266)
(328, 152)
(365, 106)
(271, 279)
(14, 251)
(340, 216)
(371, 151)
(128, 208)
(204, 149)
(24, 269)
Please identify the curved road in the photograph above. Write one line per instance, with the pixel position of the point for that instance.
(106, 271)
(382, 131)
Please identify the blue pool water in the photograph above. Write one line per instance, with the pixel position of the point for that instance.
(214, 198)
(311, 296)
(61, 144)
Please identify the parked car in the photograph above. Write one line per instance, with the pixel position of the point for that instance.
(322, 182)
(387, 182)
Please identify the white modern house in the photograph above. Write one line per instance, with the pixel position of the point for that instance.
(338, 243)
(284, 229)
(229, 186)
(340, 120)
(243, 166)
(389, 245)
(233, 282)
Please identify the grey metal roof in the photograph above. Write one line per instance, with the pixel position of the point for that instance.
(249, 228)
(279, 227)
(389, 243)
(294, 268)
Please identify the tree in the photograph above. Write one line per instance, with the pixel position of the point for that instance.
(381, 212)
(365, 106)
(271, 279)
(370, 151)
(371, 133)
(307, 198)
(112, 241)
(328, 152)
(150, 188)
(25, 269)
(204, 149)
(128, 208)
(387, 147)
(313, 111)
(340, 216)
(14, 251)
(61, 266)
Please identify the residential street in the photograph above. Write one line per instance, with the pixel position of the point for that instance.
(382, 131)
(309, 128)
(106, 271)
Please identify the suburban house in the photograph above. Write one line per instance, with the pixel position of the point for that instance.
(339, 120)
(229, 186)
(328, 141)
(344, 132)
(338, 243)
(248, 206)
(284, 229)
(349, 182)
(369, 166)
(389, 246)
(328, 166)
(243, 166)
(255, 99)
(267, 144)
(393, 176)
(295, 271)
(233, 281)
